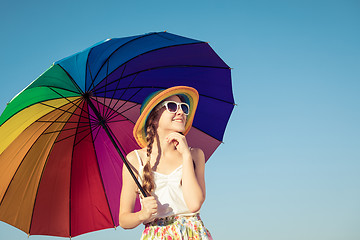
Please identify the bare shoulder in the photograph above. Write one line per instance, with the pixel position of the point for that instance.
(198, 155)
(131, 157)
(133, 161)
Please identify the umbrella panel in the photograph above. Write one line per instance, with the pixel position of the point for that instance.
(18, 199)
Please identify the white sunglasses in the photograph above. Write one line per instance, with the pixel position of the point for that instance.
(173, 107)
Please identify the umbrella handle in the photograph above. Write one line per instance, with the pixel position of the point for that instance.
(110, 135)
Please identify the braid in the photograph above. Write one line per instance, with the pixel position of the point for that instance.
(148, 179)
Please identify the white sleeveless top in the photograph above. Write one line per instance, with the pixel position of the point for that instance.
(168, 193)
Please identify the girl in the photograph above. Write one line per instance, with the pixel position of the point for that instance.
(170, 172)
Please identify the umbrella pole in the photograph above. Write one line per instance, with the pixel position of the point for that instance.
(108, 132)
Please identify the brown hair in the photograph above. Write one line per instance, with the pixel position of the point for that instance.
(148, 178)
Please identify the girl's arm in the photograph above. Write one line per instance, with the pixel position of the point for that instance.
(127, 218)
(193, 179)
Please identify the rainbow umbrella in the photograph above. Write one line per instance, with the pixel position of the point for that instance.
(64, 137)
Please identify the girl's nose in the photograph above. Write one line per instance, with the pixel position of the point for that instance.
(180, 111)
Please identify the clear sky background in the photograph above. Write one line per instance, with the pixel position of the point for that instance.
(289, 168)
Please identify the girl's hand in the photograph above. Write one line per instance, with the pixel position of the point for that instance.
(149, 208)
(179, 142)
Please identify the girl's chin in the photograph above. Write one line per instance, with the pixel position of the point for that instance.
(179, 130)
(178, 126)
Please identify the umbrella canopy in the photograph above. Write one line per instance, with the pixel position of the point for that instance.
(63, 138)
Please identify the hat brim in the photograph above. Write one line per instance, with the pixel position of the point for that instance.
(191, 97)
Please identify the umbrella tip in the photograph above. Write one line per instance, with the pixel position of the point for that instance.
(231, 68)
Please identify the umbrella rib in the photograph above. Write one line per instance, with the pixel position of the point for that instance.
(114, 110)
(63, 130)
(72, 80)
(88, 67)
(118, 99)
(92, 80)
(106, 79)
(55, 108)
(63, 96)
(160, 67)
(51, 87)
(97, 103)
(217, 99)
(164, 37)
(117, 85)
(44, 121)
(72, 102)
(105, 112)
(98, 131)
(125, 110)
(77, 132)
(121, 113)
(113, 52)
(116, 121)
(76, 143)
(111, 116)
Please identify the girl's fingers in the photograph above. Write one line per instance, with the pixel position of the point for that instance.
(178, 140)
(175, 137)
(150, 203)
(149, 206)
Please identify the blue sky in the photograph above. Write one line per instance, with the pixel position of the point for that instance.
(289, 166)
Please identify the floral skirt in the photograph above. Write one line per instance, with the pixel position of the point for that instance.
(176, 227)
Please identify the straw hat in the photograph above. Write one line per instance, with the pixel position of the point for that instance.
(191, 97)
